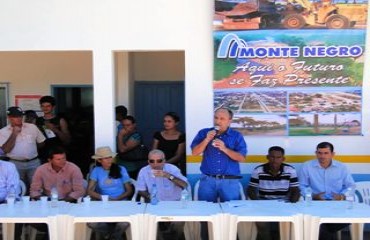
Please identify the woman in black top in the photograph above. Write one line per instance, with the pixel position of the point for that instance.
(171, 141)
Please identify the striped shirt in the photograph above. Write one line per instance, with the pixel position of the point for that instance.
(274, 187)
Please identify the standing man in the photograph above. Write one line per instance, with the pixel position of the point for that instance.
(57, 173)
(20, 141)
(121, 113)
(169, 182)
(223, 149)
(54, 128)
(272, 181)
(329, 180)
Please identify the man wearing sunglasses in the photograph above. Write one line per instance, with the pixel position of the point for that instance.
(169, 182)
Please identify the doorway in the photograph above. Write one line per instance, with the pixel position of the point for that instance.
(75, 104)
(152, 101)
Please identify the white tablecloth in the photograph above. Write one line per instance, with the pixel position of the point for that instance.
(196, 211)
(262, 211)
(68, 221)
(34, 212)
(113, 211)
(333, 212)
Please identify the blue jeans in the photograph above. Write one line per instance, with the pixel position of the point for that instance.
(212, 189)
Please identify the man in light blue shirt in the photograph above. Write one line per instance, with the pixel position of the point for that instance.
(169, 182)
(328, 179)
(167, 177)
(9, 177)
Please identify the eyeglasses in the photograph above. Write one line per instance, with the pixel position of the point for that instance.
(155, 160)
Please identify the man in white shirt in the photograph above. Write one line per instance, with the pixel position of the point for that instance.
(19, 141)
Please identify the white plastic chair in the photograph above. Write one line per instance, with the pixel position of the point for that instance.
(22, 188)
(188, 188)
(136, 192)
(362, 195)
(362, 192)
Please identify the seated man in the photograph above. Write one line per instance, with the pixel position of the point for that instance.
(9, 179)
(57, 173)
(273, 181)
(169, 182)
(329, 180)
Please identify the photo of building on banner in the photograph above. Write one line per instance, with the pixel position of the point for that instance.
(289, 14)
(291, 82)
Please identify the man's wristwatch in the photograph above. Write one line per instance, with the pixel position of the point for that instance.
(171, 178)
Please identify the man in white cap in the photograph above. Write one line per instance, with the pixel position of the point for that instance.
(19, 142)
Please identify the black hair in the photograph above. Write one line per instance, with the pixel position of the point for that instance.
(325, 145)
(129, 117)
(55, 150)
(115, 171)
(47, 99)
(277, 149)
(30, 114)
(173, 115)
(121, 110)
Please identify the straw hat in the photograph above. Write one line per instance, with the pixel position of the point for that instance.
(103, 152)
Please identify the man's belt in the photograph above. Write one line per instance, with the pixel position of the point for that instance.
(23, 160)
(219, 176)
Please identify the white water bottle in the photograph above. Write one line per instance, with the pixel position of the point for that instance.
(350, 197)
(54, 197)
(184, 198)
(308, 196)
(154, 195)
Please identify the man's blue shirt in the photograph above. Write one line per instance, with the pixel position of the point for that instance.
(217, 162)
(334, 179)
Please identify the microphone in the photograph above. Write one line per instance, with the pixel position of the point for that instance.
(216, 128)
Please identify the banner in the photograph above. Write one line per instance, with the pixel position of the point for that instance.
(290, 68)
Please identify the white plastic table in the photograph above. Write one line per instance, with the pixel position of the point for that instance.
(97, 211)
(333, 212)
(34, 212)
(196, 211)
(262, 211)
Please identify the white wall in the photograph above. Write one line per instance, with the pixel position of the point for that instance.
(100, 26)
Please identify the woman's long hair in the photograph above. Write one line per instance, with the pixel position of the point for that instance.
(115, 171)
